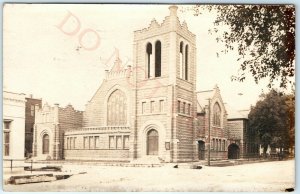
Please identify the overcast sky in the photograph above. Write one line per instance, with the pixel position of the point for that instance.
(40, 59)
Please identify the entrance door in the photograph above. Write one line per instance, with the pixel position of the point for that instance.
(233, 151)
(152, 142)
(46, 144)
(201, 150)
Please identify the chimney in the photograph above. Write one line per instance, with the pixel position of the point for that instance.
(173, 10)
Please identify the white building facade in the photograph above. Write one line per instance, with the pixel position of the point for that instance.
(13, 138)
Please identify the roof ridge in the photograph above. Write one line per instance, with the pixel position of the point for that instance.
(204, 91)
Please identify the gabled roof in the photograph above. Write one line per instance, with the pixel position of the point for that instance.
(202, 99)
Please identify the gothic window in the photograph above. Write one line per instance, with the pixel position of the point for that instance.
(157, 59)
(148, 59)
(46, 144)
(189, 109)
(183, 108)
(181, 60)
(117, 109)
(217, 115)
(186, 62)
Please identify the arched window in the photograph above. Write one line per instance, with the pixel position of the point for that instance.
(148, 59)
(181, 60)
(158, 59)
(117, 109)
(217, 114)
(186, 62)
(46, 144)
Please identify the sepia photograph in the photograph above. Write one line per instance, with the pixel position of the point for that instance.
(148, 97)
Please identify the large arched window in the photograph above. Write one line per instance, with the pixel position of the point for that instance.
(148, 59)
(117, 109)
(217, 114)
(46, 144)
(158, 59)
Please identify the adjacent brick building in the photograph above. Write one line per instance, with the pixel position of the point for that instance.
(29, 121)
(211, 116)
(243, 141)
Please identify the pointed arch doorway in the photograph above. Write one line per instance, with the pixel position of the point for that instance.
(152, 142)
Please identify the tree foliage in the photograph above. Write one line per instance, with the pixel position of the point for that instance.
(264, 36)
(290, 102)
(271, 119)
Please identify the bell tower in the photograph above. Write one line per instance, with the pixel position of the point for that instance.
(165, 78)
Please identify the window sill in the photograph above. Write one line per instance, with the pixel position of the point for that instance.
(154, 78)
(149, 114)
(188, 81)
(185, 115)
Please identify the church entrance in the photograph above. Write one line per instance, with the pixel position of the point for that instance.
(152, 142)
(233, 151)
(201, 150)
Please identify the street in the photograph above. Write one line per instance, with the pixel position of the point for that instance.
(267, 176)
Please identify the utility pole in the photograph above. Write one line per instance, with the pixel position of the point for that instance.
(208, 158)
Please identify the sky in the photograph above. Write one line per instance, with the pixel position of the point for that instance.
(59, 52)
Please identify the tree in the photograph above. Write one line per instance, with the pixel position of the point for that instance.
(290, 102)
(264, 36)
(270, 118)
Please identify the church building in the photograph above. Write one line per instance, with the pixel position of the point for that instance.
(148, 111)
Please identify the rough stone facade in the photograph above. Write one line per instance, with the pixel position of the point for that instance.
(147, 111)
(50, 125)
(150, 89)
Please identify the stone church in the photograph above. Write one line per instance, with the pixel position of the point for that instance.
(148, 111)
